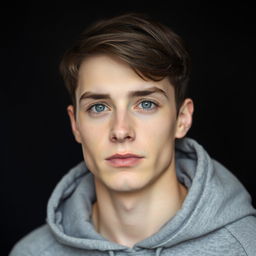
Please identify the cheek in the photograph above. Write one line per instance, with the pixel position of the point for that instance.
(158, 131)
(158, 140)
(163, 148)
(91, 129)
(91, 147)
(93, 136)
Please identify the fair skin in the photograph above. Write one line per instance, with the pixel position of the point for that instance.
(118, 113)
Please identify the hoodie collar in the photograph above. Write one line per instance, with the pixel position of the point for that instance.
(215, 198)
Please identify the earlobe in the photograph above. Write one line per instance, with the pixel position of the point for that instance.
(73, 122)
(184, 120)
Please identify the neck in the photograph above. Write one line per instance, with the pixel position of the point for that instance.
(127, 218)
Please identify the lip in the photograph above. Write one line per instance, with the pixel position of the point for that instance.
(124, 160)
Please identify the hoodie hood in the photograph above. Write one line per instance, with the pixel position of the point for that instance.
(215, 199)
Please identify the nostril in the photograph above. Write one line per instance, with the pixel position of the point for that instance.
(129, 137)
(121, 137)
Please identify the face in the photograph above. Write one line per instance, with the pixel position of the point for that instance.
(126, 125)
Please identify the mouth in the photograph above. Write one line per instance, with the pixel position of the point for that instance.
(124, 160)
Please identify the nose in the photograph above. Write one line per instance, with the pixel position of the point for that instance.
(122, 128)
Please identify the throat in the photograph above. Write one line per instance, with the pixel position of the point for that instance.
(127, 226)
(127, 220)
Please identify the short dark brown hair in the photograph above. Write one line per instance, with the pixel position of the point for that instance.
(150, 48)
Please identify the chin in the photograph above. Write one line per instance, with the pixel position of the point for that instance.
(127, 183)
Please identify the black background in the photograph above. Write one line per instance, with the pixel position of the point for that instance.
(36, 140)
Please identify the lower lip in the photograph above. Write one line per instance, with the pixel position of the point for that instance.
(124, 162)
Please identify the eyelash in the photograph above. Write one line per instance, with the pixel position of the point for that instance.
(94, 105)
(156, 105)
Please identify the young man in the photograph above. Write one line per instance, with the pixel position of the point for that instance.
(143, 188)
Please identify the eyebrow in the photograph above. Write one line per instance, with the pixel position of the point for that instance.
(132, 94)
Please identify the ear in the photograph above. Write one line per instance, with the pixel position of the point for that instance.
(184, 119)
(72, 117)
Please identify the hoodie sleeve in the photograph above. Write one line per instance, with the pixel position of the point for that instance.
(33, 244)
(17, 251)
(244, 231)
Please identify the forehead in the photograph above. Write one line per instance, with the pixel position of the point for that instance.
(107, 74)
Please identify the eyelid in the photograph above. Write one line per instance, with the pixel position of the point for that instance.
(147, 99)
(139, 101)
(96, 103)
(90, 106)
(157, 105)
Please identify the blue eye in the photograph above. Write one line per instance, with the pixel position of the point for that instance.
(97, 108)
(147, 105)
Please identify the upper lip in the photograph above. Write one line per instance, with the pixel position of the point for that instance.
(127, 155)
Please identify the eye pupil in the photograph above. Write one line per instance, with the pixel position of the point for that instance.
(146, 104)
(99, 107)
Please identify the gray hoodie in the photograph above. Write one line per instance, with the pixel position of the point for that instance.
(216, 218)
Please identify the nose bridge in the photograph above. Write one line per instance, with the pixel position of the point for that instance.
(122, 126)
(121, 118)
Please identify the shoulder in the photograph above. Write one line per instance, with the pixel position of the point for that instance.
(244, 231)
(34, 243)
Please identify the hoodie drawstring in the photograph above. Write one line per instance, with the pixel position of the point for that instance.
(158, 251)
(111, 253)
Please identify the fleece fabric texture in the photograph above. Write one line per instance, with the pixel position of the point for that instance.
(216, 217)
